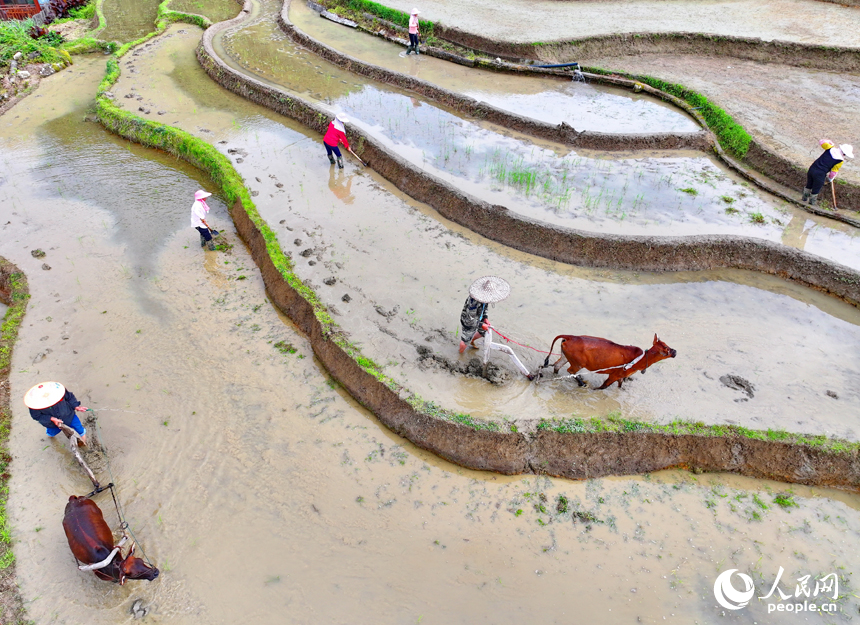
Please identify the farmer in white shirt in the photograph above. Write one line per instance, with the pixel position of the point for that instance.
(198, 219)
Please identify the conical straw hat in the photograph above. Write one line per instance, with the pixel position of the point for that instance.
(44, 395)
(490, 289)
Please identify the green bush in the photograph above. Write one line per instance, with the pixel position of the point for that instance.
(15, 37)
(86, 12)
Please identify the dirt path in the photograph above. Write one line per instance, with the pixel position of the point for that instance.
(787, 108)
(525, 21)
(260, 490)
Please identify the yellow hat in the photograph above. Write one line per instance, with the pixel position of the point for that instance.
(44, 395)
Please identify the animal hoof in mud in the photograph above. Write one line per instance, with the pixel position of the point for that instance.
(37, 253)
(579, 380)
(346, 298)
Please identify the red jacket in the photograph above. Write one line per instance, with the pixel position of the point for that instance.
(333, 135)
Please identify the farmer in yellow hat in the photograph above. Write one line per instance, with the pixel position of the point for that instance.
(51, 404)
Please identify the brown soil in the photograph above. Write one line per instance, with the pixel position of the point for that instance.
(11, 604)
(787, 109)
(72, 30)
(17, 91)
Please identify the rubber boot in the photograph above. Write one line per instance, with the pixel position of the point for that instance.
(813, 200)
(202, 241)
(417, 51)
(340, 164)
(331, 159)
(408, 50)
(806, 194)
(210, 245)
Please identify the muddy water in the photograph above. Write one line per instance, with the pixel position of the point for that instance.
(215, 10)
(261, 491)
(127, 21)
(583, 106)
(349, 225)
(677, 193)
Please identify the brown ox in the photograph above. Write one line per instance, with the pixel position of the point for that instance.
(91, 541)
(602, 356)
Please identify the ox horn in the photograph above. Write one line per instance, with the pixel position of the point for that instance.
(99, 565)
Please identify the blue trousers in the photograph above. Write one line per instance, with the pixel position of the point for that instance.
(331, 148)
(76, 425)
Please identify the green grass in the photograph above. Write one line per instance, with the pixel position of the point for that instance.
(785, 501)
(689, 191)
(19, 295)
(15, 37)
(731, 135)
(757, 218)
(387, 13)
(614, 423)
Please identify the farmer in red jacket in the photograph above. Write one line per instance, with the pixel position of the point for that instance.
(335, 134)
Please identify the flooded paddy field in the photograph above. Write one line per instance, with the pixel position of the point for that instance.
(127, 21)
(344, 227)
(265, 494)
(261, 490)
(642, 193)
(763, 98)
(215, 10)
(583, 106)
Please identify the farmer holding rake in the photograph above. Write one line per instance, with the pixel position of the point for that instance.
(475, 324)
(824, 169)
(198, 219)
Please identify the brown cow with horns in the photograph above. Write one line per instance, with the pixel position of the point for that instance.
(603, 356)
(91, 541)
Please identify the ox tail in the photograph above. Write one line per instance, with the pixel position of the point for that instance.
(560, 336)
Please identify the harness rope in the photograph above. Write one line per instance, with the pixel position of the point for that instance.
(509, 340)
(124, 526)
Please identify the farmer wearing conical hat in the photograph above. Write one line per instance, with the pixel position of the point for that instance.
(413, 32)
(475, 324)
(51, 404)
(198, 219)
(824, 169)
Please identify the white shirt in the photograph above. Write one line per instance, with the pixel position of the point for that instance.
(198, 214)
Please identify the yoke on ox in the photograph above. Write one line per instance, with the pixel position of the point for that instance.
(91, 542)
(602, 356)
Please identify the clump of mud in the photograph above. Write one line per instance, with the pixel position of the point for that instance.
(494, 374)
(738, 383)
